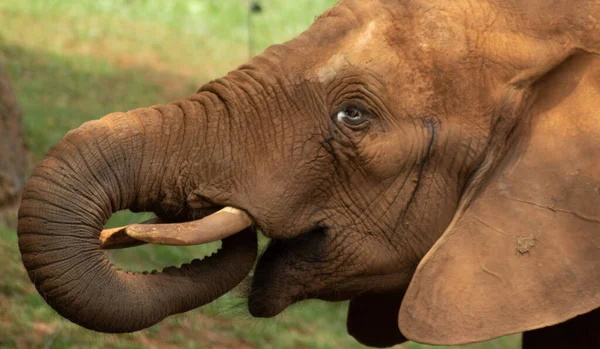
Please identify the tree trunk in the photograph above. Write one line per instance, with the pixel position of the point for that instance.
(13, 155)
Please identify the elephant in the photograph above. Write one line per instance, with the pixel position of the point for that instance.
(432, 162)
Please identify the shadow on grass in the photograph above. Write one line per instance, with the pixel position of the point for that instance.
(58, 93)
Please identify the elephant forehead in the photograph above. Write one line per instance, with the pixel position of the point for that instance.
(392, 46)
(364, 49)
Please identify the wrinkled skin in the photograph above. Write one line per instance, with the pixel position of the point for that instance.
(354, 147)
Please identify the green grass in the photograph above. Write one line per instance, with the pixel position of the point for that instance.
(73, 61)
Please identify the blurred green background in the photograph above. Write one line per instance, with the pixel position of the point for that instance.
(76, 60)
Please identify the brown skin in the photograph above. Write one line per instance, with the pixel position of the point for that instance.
(354, 147)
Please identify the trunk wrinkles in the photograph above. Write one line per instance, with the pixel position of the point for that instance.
(124, 160)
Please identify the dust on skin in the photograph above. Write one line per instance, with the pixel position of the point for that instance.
(525, 243)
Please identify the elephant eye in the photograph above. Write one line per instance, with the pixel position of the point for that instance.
(351, 116)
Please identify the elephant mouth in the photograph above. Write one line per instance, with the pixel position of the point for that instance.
(295, 269)
(276, 283)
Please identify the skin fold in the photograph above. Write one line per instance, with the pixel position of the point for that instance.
(367, 149)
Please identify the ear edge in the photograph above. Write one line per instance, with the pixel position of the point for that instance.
(431, 329)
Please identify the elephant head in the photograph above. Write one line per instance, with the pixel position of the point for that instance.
(434, 162)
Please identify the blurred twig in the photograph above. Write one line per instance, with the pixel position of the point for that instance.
(48, 344)
(253, 7)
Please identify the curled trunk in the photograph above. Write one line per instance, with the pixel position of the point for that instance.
(125, 160)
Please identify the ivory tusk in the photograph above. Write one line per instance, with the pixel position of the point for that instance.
(116, 238)
(217, 226)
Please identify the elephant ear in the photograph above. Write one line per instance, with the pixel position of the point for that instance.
(525, 252)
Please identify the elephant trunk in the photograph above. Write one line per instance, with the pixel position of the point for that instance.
(135, 160)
